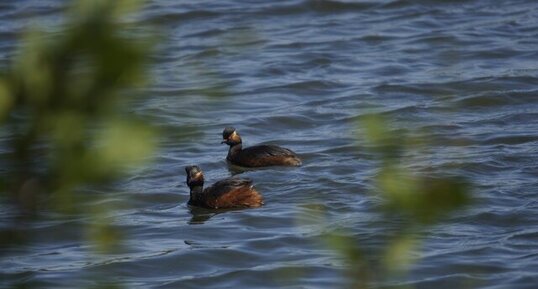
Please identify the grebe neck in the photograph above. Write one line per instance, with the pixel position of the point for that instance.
(196, 191)
(234, 149)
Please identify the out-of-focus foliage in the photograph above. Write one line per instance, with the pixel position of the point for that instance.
(423, 199)
(418, 200)
(61, 105)
(61, 102)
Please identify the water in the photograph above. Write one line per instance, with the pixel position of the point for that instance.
(300, 74)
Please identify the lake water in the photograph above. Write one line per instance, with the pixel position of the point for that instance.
(301, 74)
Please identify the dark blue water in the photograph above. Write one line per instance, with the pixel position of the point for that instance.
(301, 74)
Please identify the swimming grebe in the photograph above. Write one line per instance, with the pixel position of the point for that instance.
(259, 155)
(226, 193)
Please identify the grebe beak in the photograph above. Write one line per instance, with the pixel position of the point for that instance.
(224, 141)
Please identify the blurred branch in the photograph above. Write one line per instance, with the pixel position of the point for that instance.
(62, 109)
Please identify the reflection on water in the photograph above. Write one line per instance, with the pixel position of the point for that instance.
(201, 215)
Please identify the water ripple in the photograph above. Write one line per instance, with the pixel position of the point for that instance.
(303, 74)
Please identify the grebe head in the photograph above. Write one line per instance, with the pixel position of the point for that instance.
(230, 136)
(195, 176)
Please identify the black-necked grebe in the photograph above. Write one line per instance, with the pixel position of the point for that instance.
(226, 193)
(259, 155)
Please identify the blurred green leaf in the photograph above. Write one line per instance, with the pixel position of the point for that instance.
(399, 253)
(104, 234)
(344, 245)
(388, 143)
(6, 100)
(123, 144)
(423, 199)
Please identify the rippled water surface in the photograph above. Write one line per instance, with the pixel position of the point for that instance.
(300, 74)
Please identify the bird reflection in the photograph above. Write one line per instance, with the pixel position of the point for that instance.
(201, 215)
(235, 169)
